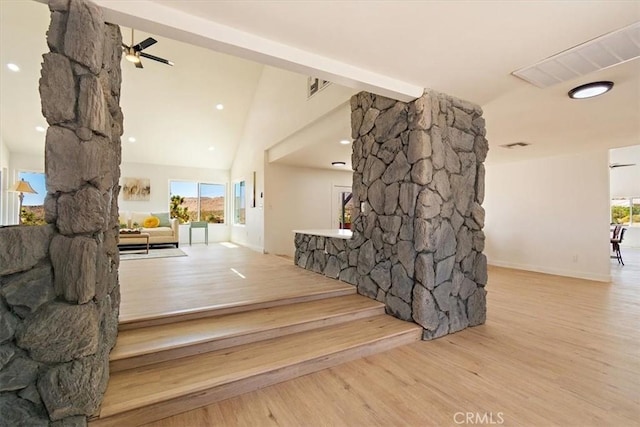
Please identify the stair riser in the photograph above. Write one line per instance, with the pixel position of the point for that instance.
(181, 316)
(176, 353)
(202, 398)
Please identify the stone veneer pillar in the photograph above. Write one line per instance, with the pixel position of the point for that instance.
(59, 291)
(418, 241)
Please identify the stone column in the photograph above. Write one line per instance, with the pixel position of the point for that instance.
(419, 179)
(59, 283)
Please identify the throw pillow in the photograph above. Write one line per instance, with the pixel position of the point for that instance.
(151, 222)
(164, 219)
(137, 218)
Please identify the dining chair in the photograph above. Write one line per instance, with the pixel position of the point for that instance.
(615, 245)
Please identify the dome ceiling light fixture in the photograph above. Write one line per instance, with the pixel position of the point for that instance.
(338, 164)
(590, 90)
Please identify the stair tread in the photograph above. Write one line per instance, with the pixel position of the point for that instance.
(135, 342)
(152, 384)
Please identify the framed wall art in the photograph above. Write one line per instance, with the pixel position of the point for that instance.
(136, 189)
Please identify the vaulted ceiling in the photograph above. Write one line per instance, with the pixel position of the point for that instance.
(465, 48)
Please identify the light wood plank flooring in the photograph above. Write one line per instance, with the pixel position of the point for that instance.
(214, 278)
(554, 351)
(154, 344)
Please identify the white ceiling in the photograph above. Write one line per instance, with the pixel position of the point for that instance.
(465, 48)
(170, 111)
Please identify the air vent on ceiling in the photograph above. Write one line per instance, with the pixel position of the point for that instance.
(603, 52)
(315, 85)
(515, 145)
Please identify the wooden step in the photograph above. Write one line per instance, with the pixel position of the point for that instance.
(157, 391)
(144, 346)
(238, 304)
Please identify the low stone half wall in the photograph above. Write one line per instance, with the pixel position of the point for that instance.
(329, 256)
(418, 186)
(59, 291)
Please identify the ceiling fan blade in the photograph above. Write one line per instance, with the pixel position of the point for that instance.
(155, 58)
(139, 64)
(621, 165)
(145, 44)
(125, 46)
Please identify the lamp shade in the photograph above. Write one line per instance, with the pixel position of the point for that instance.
(23, 186)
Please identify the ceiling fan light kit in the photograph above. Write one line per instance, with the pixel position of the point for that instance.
(134, 52)
(132, 57)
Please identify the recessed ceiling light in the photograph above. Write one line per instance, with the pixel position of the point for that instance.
(40, 129)
(590, 90)
(338, 164)
(13, 67)
(132, 139)
(211, 148)
(219, 107)
(345, 142)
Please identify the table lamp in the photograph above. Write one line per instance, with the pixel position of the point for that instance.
(22, 187)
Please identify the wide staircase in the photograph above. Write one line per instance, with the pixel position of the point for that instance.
(172, 364)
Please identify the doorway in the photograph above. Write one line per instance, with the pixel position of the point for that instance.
(341, 207)
(624, 182)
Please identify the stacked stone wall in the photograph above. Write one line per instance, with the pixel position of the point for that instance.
(418, 186)
(59, 291)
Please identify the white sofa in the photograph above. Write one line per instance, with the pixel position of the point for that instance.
(157, 235)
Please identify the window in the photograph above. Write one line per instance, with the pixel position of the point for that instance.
(32, 212)
(239, 202)
(196, 201)
(626, 211)
(211, 207)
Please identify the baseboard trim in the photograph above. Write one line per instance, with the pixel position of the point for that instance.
(554, 271)
(252, 247)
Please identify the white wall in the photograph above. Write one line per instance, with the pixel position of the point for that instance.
(159, 176)
(550, 215)
(625, 181)
(299, 198)
(280, 108)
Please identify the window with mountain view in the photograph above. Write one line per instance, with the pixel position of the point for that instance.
(197, 201)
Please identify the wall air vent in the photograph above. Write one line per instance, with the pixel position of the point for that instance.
(603, 52)
(515, 145)
(315, 85)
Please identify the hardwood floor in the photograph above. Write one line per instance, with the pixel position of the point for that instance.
(214, 278)
(265, 322)
(554, 351)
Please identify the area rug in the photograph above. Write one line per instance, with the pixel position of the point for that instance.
(153, 253)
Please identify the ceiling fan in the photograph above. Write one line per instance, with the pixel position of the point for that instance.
(134, 52)
(620, 165)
